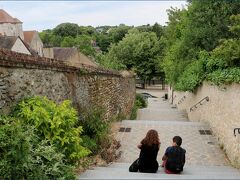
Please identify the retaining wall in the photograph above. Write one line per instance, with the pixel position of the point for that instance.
(221, 112)
(23, 75)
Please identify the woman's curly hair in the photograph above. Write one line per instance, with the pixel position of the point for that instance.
(151, 138)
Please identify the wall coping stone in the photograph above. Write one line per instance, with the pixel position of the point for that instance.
(13, 59)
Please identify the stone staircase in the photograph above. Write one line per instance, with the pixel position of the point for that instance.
(204, 158)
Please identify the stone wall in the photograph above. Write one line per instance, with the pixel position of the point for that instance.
(221, 112)
(48, 52)
(22, 75)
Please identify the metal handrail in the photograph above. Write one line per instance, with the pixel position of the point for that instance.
(200, 102)
(182, 99)
(234, 131)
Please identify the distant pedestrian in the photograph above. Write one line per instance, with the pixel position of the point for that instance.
(174, 157)
(147, 161)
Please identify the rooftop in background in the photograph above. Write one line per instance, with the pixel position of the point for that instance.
(7, 42)
(6, 18)
(73, 56)
(28, 35)
(64, 53)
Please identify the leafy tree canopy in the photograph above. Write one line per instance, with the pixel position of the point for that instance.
(200, 27)
(66, 29)
(138, 51)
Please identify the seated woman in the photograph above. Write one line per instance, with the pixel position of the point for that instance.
(147, 161)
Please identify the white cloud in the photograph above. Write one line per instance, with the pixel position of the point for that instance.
(48, 14)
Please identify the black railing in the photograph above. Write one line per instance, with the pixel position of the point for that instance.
(181, 100)
(195, 106)
(236, 129)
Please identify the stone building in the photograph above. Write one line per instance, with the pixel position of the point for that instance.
(70, 55)
(10, 26)
(14, 43)
(33, 40)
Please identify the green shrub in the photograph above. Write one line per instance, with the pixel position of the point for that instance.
(15, 148)
(191, 77)
(140, 102)
(90, 143)
(220, 66)
(95, 128)
(23, 155)
(56, 123)
(134, 112)
(226, 55)
(225, 76)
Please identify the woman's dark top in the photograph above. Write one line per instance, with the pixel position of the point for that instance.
(148, 158)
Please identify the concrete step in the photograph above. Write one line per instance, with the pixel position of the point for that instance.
(162, 109)
(120, 171)
(162, 106)
(186, 167)
(161, 112)
(187, 171)
(164, 122)
(161, 117)
(113, 174)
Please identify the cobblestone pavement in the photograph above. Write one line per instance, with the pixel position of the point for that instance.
(201, 149)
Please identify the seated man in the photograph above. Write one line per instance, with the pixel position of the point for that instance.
(174, 157)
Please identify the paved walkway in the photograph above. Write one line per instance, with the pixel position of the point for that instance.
(168, 121)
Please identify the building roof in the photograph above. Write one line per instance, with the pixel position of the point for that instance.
(7, 42)
(86, 60)
(64, 53)
(32, 51)
(6, 18)
(28, 36)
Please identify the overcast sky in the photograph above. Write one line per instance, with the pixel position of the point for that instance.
(40, 15)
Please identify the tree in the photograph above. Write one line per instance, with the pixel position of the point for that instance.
(68, 41)
(191, 31)
(172, 63)
(83, 43)
(138, 51)
(144, 28)
(104, 41)
(66, 29)
(87, 30)
(235, 25)
(227, 54)
(45, 36)
(158, 29)
(118, 33)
